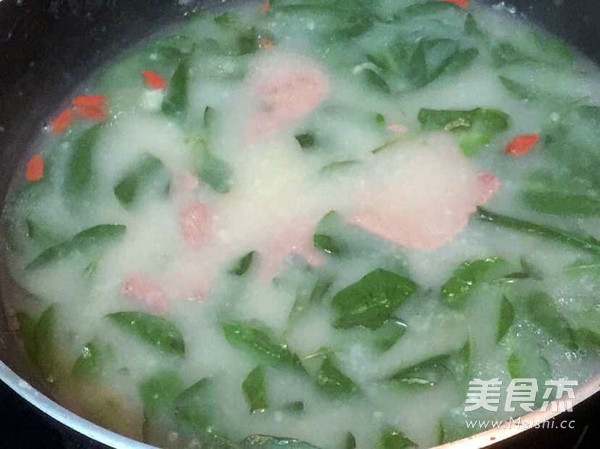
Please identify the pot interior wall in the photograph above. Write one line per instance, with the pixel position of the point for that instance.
(48, 46)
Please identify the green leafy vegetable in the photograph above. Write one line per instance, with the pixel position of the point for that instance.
(587, 338)
(258, 343)
(176, 100)
(505, 318)
(325, 239)
(583, 243)
(89, 242)
(350, 441)
(374, 80)
(542, 310)
(430, 59)
(45, 343)
(471, 27)
(335, 167)
(158, 392)
(520, 90)
(153, 330)
(215, 172)
(528, 271)
(466, 278)
(79, 176)
(567, 194)
(333, 382)
(89, 364)
(372, 300)
(476, 128)
(194, 407)
(394, 439)
(389, 333)
(27, 327)
(247, 42)
(306, 140)
(571, 141)
(148, 175)
(293, 407)
(242, 266)
(270, 442)
(255, 390)
(423, 374)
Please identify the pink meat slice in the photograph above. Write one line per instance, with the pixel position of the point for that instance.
(429, 199)
(146, 291)
(283, 92)
(195, 223)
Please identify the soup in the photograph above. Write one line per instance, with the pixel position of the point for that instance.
(303, 225)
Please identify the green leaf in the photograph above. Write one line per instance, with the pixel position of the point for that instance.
(305, 140)
(372, 300)
(584, 268)
(333, 382)
(247, 42)
(46, 352)
(79, 175)
(209, 119)
(471, 27)
(528, 271)
(534, 48)
(550, 233)
(430, 59)
(518, 89)
(423, 374)
(372, 79)
(572, 142)
(561, 203)
(228, 19)
(587, 338)
(215, 172)
(41, 235)
(254, 388)
(295, 407)
(27, 326)
(242, 266)
(350, 441)
(542, 310)
(460, 61)
(153, 330)
(258, 343)
(148, 175)
(335, 167)
(158, 392)
(175, 102)
(475, 128)
(467, 278)
(89, 242)
(327, 244)
(270, 442)
(527, 363)
(506, 317)
(394, 439)
(89, 364)
(194, 407)
(428, 8)
(388, 334)
(325, 238)
(321, 283)
(321, 288)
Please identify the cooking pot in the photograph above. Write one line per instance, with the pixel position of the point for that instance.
(48, 46)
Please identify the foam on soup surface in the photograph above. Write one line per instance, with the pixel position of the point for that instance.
(309, 224)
